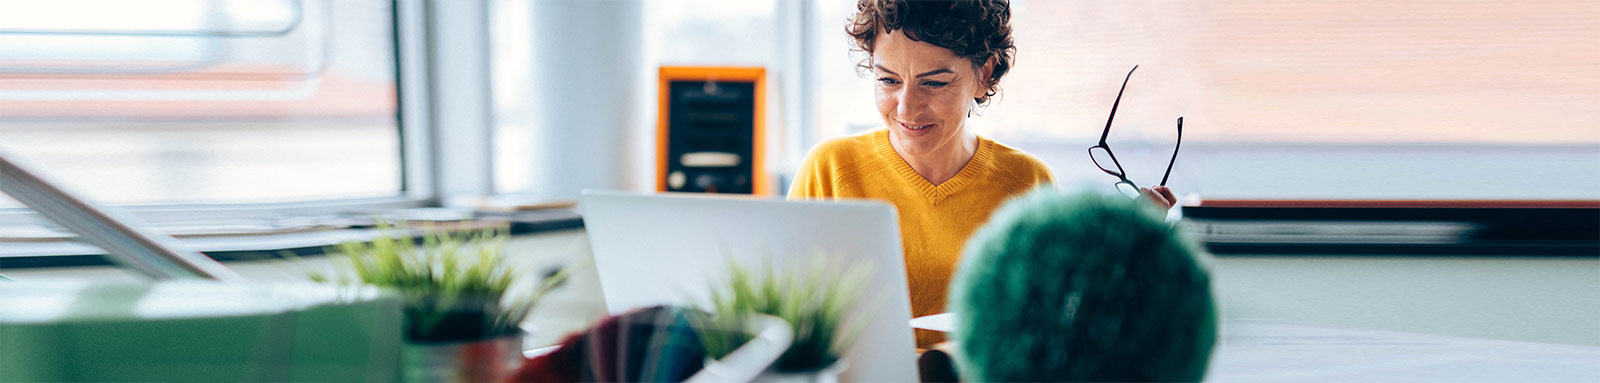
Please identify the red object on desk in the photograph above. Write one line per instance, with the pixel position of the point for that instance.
(937, 364)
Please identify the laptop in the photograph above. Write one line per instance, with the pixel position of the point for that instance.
(670, 248)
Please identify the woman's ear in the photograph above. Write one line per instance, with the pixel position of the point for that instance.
(985, 78)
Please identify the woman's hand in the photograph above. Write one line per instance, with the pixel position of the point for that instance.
(1162, 197)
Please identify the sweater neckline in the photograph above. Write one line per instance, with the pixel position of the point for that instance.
(968, 172)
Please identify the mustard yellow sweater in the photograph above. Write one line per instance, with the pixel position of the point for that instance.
(935, 220)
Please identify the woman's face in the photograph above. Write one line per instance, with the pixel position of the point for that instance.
(923, 92)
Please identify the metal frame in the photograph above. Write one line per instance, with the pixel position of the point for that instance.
(425, 144)
(125, 238)
(460, 98)
(297, 10)
(796, 77)
(415, 117)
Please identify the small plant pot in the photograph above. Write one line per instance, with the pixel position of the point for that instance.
(828, 374)
(488, 360)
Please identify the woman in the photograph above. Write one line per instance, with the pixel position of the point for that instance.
(934, 62)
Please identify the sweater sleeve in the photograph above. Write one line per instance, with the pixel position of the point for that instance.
(812, 180)
(1025, 170)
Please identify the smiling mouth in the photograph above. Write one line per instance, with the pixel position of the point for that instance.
(916, 127)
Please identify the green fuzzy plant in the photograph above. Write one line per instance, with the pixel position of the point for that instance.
(815, 300)
(456, 287)
(1082, 286)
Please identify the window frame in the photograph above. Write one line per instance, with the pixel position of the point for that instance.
(420, 27)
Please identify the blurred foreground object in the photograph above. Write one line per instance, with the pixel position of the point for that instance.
(458, 287)
(465, 300)
(197, 332)
(659, 344)
(123, 236)
(652, 249)
(1082, 286)
(814, 299)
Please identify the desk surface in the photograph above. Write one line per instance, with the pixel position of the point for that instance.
(1264, 352)
(1254, 351)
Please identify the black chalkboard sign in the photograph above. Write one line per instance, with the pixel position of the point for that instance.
(710, 130)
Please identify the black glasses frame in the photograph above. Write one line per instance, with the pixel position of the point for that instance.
(1122, 177)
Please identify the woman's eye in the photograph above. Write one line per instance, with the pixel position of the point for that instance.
(888, 81)
(935, 84)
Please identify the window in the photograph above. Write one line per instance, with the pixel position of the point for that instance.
(1289, 100)
(203, 101)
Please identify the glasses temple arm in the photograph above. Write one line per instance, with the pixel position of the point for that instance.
(1174, 153)
(1107, 132)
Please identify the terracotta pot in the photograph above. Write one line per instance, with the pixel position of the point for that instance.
(488, 360)
(828, 374)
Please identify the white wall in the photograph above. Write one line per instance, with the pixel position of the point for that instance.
(1341, 171)
(589, 97)
(576, 84)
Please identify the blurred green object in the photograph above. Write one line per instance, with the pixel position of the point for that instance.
(1082, 286)
(814, 300)
(197, 331)
(457, 287)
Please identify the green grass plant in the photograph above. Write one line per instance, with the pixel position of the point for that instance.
(457, 287)
(816, 300)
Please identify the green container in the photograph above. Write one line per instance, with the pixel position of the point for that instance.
(196, 331)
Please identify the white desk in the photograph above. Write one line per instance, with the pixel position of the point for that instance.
(1267, 352)
(1253, 351)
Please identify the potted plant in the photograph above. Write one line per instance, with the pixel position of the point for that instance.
(464, 302)
(815, 300)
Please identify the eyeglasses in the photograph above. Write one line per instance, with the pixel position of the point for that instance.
(1101, 154)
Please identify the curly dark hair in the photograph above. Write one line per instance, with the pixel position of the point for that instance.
(976, 30)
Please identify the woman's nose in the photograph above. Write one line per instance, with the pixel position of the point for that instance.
(909, 103)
